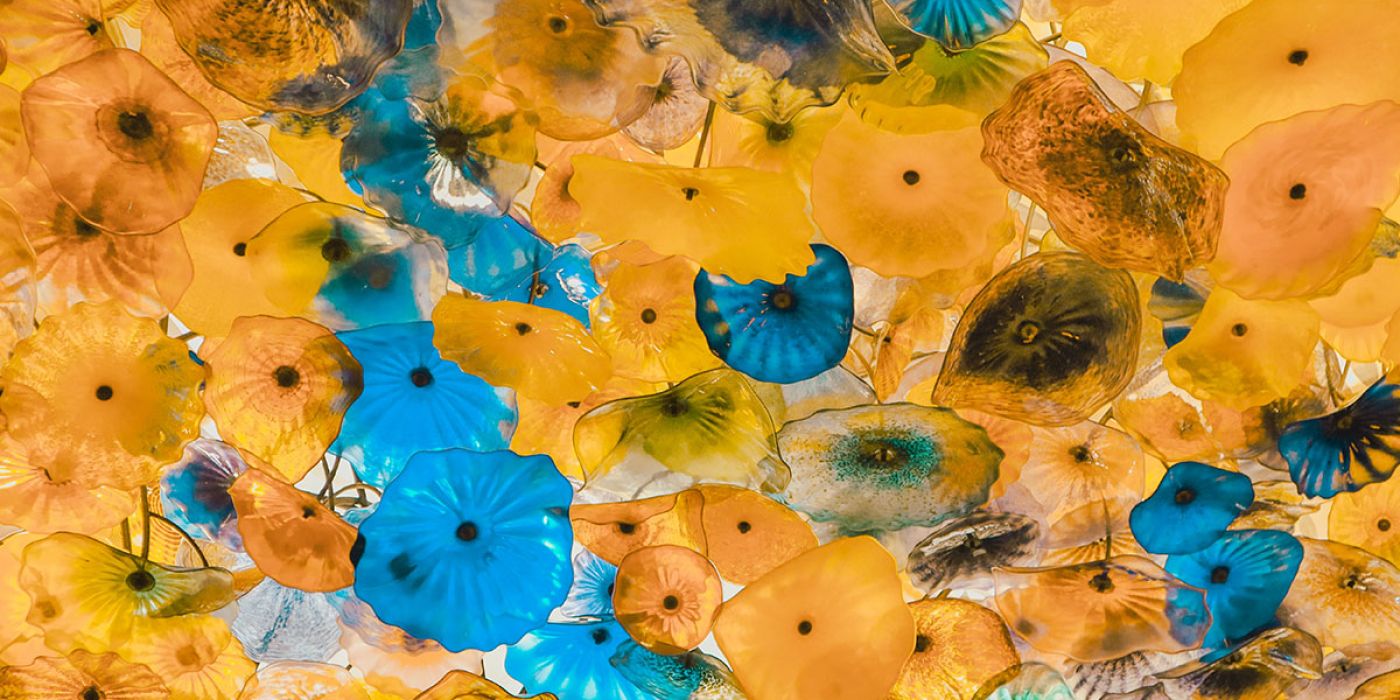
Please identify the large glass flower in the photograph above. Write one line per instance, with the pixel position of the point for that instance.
(887, 467)
(104, 393)
(784, 332)
(666, 597)
(748, 534)
(82, 675)
(1346, 450)
(573, 660)
(1369, 519)
(413, 400)
(645, 319)
(434, 164)
(279, 388)
(1245, 574)
(1191, 507)
(39, 495)
(485, 535)
(1344, 596)
(196, 656)
(147, 141)
(958, 646)
(292, 537)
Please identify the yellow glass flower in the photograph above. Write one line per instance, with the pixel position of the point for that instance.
(1343, 595)
(753, 141)
(1244, 353)
(110, 389)
(1276, 58)
(784, 632)
(279, 388)
(906, 204)
(1354, 320)
(958, 646)
(538, 352)
(1142, 39)
(711, 427)
(82, 675)
(88, 595)
(196, 655)
(748, 534)
(739, 222)
(39, 496)
(614, 530)
(1369, 519)
(554, 212)
(645, 320)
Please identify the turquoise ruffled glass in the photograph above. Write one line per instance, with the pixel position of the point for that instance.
(1191, 508)
(959, 24)
(573, 661)
(469, 549)
(1348, 449)
(413, 400)
(689, 675)
(780, 333)
(194, 492)
(1246, 574)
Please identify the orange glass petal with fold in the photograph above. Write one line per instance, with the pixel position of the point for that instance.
(905, 204)
(82, 675)
(290, 535)
(959, 645)
(1369, 519)
(645, 320)
(749, 534)
(614, 530)
(145, 140)
(831, 623)
(539, 352)
(666, 597)
(38, 496)
(1306, 194)
(279, 388)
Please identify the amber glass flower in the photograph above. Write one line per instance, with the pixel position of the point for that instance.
(614, 530)
(82, 675)
(290, 535)
(666, 597)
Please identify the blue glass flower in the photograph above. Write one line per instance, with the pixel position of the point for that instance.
(592, 592)
(1191, 508)
(1177, 305)
(959, 24)
(470, 549)
(194, 491)
(780, 333)
(513, 264)
(413, 400)
(414, 71)
(441, 165)
(572, 661)
(565, 283)
(688, 675)
(1246, 574)
(1348, 449)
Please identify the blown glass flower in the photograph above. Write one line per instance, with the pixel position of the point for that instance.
(614, 530)
(748, 534)
(1246, 574)
(959, 645)
(82, 675)
(290, 535)
(964, 551)
(1191, 507)
(958, 24)
(485, 533)
(666, 597)
(1343, 595)
(1346, 450)
(573, 660)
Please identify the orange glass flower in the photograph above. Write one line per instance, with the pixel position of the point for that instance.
(195, 655)
(906, 204)
(1306, 194)
(147, 140)
(749, 534)
(785, 632)
(39, 496)
(1047, 341)
(290, 535)
(279, 388)
(1076, 466)
(41, 35)
(1113, 190)
(82, 675)
(108, 390)
(958, 646)
(1369, 519)
(614, 530)
(666, 597)
(645, 320)
(539, 352)
(1343, 595)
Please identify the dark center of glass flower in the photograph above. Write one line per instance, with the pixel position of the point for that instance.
(1101, 582)
(1027, 332)
(522, 328)
(911, 177)
(140, 580)
(557, 24)
(1238, 330)
(135, 125)
(1220, 574)
(1184, 496)
(467, 531)
(648, 316)
(626, 528)
(1351, 581)
(83, 229)
(452, 143)
(286, 376)
(240, 249)
(1298, 191)
(1298, 57)
(421, 377)
(93, 27)
(188, 657)
(690, 193)
(91, 693)
(922, 643)
(782, 299)
(600, 636)
(804, 627)
(744, 527)
(670, 602)
(307, 512)
(674, 406)
(1081, 454)
(1383, 525)
(778, 133)
(104, 393)
(335, 250)
(883, 453)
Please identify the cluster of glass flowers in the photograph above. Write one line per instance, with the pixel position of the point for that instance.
(699, 349)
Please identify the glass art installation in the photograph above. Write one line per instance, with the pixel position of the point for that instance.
(699, 349)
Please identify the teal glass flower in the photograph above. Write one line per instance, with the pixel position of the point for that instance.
(573, 661)
(1348, 449)
(1191, 508)
(1246, 574)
